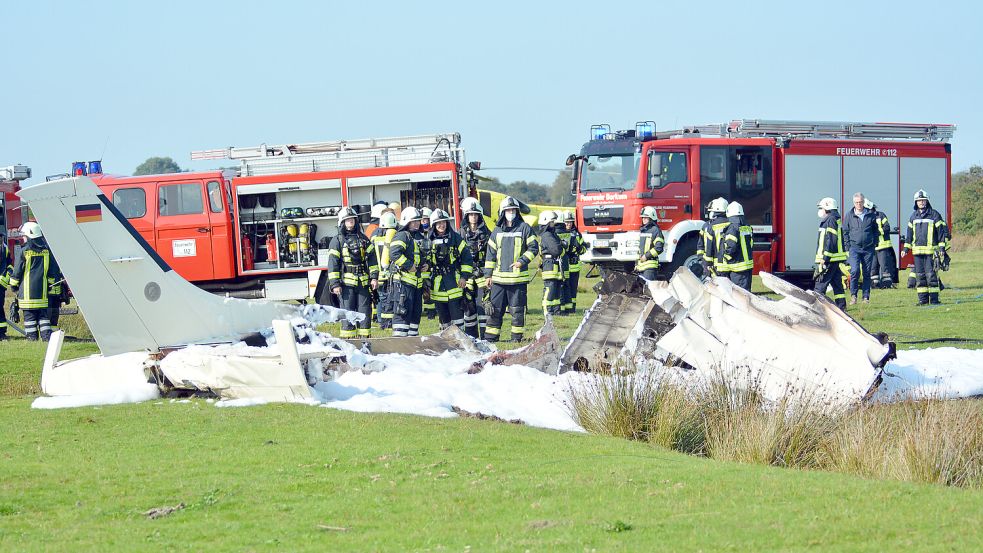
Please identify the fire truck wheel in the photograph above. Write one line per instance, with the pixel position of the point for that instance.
(685, 256)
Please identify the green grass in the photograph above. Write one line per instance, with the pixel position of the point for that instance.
(292, 478)
(295, 478)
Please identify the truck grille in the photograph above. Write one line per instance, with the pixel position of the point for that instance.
(603, 215)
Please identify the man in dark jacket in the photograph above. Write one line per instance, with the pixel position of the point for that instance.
(553, 251)
(860, 241)
(830, 253)
(927, 237)
(475, 232)
(512, 246)
(353, 272)
(34, 279)
(6, 269)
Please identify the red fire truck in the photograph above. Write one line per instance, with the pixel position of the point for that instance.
(262, 230)
(11, 214)
(777, 170)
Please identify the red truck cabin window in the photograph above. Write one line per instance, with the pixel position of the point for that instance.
(131, 202)
(180, 199)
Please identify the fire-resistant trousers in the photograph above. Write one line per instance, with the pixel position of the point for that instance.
(926, 279)
(832, 277)
(511, 297)
(450, 312)
(570, 297)
(741, 278)
(407, 303)
(357, 298)
(36, 322)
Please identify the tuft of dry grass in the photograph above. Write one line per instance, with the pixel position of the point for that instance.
(967, 242)
(929, 440)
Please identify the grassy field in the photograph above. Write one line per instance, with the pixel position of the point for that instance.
(293, 478)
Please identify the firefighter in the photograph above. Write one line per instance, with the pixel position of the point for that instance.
(34, 279)
(738, 247)
(882, 269)
(6, 268)
(429, 310)
(353, 272)
(451, 267)
(475, 233)
(575, 248)
(651, 244)
(381, 239)
(711, 236)
(378, 208)
(829, 253)
(406, 269)
(553, 252)
(928, 239)
(512, 246)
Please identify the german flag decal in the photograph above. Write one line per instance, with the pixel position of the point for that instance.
(88, 213)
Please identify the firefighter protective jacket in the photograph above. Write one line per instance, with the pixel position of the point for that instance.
(575, 246)
(883, 230)
(381, 238)
(553, 251)
(651, 244)
(6, 265)
(351, 259)
(405, 256)
(507, 245)
(36, 275)
(830, 245)
(450, 261)
(738, 245)
(927, 232)
(477, 240)
(710, 247)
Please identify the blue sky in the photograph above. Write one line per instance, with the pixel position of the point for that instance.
(521, 81)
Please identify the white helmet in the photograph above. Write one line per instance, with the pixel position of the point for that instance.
(568, 216)
(377, 209)
(829, 204)
(869, 204)
(409, 215)
(547, 217)
(508, 202)
(387, 220)
(471, 205)
(346, 213)
(921, 195)
(734, 209)
(425, 212)
(439, 215)
(718, 205)
(650, 212)
(31, 230)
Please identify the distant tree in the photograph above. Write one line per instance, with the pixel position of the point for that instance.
(157, 166)
(560, 190)
(967, 201)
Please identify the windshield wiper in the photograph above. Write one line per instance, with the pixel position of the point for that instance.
(606, 189)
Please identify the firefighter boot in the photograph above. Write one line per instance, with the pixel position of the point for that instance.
(933, 298)
(922, 298)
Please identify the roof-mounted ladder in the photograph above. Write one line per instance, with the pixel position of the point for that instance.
(746, 128)
(340, 154)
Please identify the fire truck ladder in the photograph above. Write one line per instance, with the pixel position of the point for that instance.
(341, 154)
(746, 128)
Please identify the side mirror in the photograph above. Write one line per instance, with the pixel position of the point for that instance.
(655, 181)
(575, 175)
(571, 159)
(655, 171)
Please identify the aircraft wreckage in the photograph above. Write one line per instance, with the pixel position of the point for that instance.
(193, 340)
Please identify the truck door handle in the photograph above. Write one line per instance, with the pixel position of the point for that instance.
(202, 229)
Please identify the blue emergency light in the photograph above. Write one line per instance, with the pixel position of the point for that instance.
(597, 132)
(78, 169)
(95, 167)
(645, 129)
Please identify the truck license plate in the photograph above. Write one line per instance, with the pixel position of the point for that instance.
(601, 243)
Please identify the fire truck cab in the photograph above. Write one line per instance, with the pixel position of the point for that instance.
(777, 170)
(262, 231)
(11, 214)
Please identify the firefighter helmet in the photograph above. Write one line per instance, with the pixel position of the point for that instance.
(869, 204)
(409, 215)
(377, 209)
(508, 202)
(388, 220)
(921, 195)
(31, 230)
(718, 205)
(829, 204)
(568, 217)
(735, 209)
(394, 206)
(425, 212)
(547, 217)
(439, 215)
(345, 214)
(650, 212)
(471, 205)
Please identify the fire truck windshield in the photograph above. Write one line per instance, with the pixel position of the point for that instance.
(610, 173)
